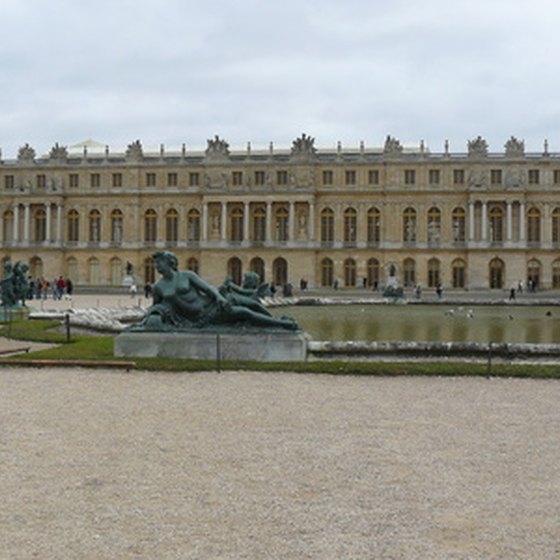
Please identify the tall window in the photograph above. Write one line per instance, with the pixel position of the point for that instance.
(150, 179)
(235, 270)
(194, 179)
(172, 179)
(496, 176)
(282, 177)
(373, 273)
(95, 180)
(434, 226)
(327, 226)
(281, 217)
(433, 273)
(534, 177)
(556, 274)
(409, 225)
(534, 273)
(350, 226)
(193, 225)
(458, 272)
(117, 179)
(73, 219)
(373, 226)
(150, 226)
(373, 177)
(95, 226)
(259, 224)
(40, 225)
(280, 271)
(327, 177)
(458, 176)
(533, 226)
(74, 180)
(434, 176)
(8, 226)
(350, 176)
(257, 265)
(496, 218)
(237, 178)
(116, 271)
(409, 273)
(41, 181)
(409, 176)
(327, 273)
(497, 271)
(349, 272)
(117, 221)
(149, 271)
(171, 226)
(556, 226)
(458, 225)
(236, 224)
(9, 182)
(260, 178)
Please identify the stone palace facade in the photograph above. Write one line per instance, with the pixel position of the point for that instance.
(465, 220)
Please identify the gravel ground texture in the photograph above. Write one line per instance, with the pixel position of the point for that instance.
(99, 464)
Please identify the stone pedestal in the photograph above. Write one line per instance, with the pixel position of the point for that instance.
(263, 347)
(14, 313)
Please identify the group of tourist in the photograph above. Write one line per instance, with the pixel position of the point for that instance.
(40, 288)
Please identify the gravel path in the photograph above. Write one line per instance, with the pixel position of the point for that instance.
(100, 464)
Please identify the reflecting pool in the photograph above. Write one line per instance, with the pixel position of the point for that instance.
(530, 324)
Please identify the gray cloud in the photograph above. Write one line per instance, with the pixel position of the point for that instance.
(180, 71)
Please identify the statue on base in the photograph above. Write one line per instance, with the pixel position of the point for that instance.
(14, 285)
(184, 301)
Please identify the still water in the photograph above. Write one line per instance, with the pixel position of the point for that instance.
(429, 323)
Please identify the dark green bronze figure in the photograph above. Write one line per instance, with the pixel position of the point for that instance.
(183, 301)
(14, 285)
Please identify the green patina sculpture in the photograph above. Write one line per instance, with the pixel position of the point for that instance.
(184, 301)
(14, 285)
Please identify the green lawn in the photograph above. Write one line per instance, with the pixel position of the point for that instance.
(100, 349)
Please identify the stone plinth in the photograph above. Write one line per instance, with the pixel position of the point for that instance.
(263, 347)
(13, 313)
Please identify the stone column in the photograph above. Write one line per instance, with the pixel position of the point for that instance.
(16, 224)
(245, 221)
(484, 225)
(204, 221)
(268, 221)
(292, 222)
(522, 221)
(471, 221)
(59, 224)
(48, 223)
(223, 225)
(509, 221)
(26, 211)
(311, 223)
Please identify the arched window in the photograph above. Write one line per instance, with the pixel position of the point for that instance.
(236, 224)
(496, 219)
(458, 225)
(116, 271)
(534, 268)
(235, 270)
(280, 271)
(8, 226)
(36, 267)
(150, 226)
(409, 225)
(556, 274)
(409, 273)
(350, 226)
(117, 221)
(172, 226)
(533, 226)
(95, 226)
(193, 226)
(433, 273)
(73, 219)
(281, 217)
(149, 271)
(373, 273)
(327, 273)
(556, 226)
(72, 270)
(327, 226)
(497, 270)
(458, 273)
(259, 224)
(257, 265)
(434, 227)
(40, 220)
(349, 272)
(93, 271)
(192, 264)
(373, 226)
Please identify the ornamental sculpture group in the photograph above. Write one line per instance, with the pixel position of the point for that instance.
(183, 301)
(14, 285)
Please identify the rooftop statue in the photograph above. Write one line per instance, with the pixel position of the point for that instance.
(183, 301)
(134, 151)
(14, 284)
(478, 147)
(58, 152)
(26, 154)
(392, 146)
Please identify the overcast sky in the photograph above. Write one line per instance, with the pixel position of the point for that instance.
(181, 71)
